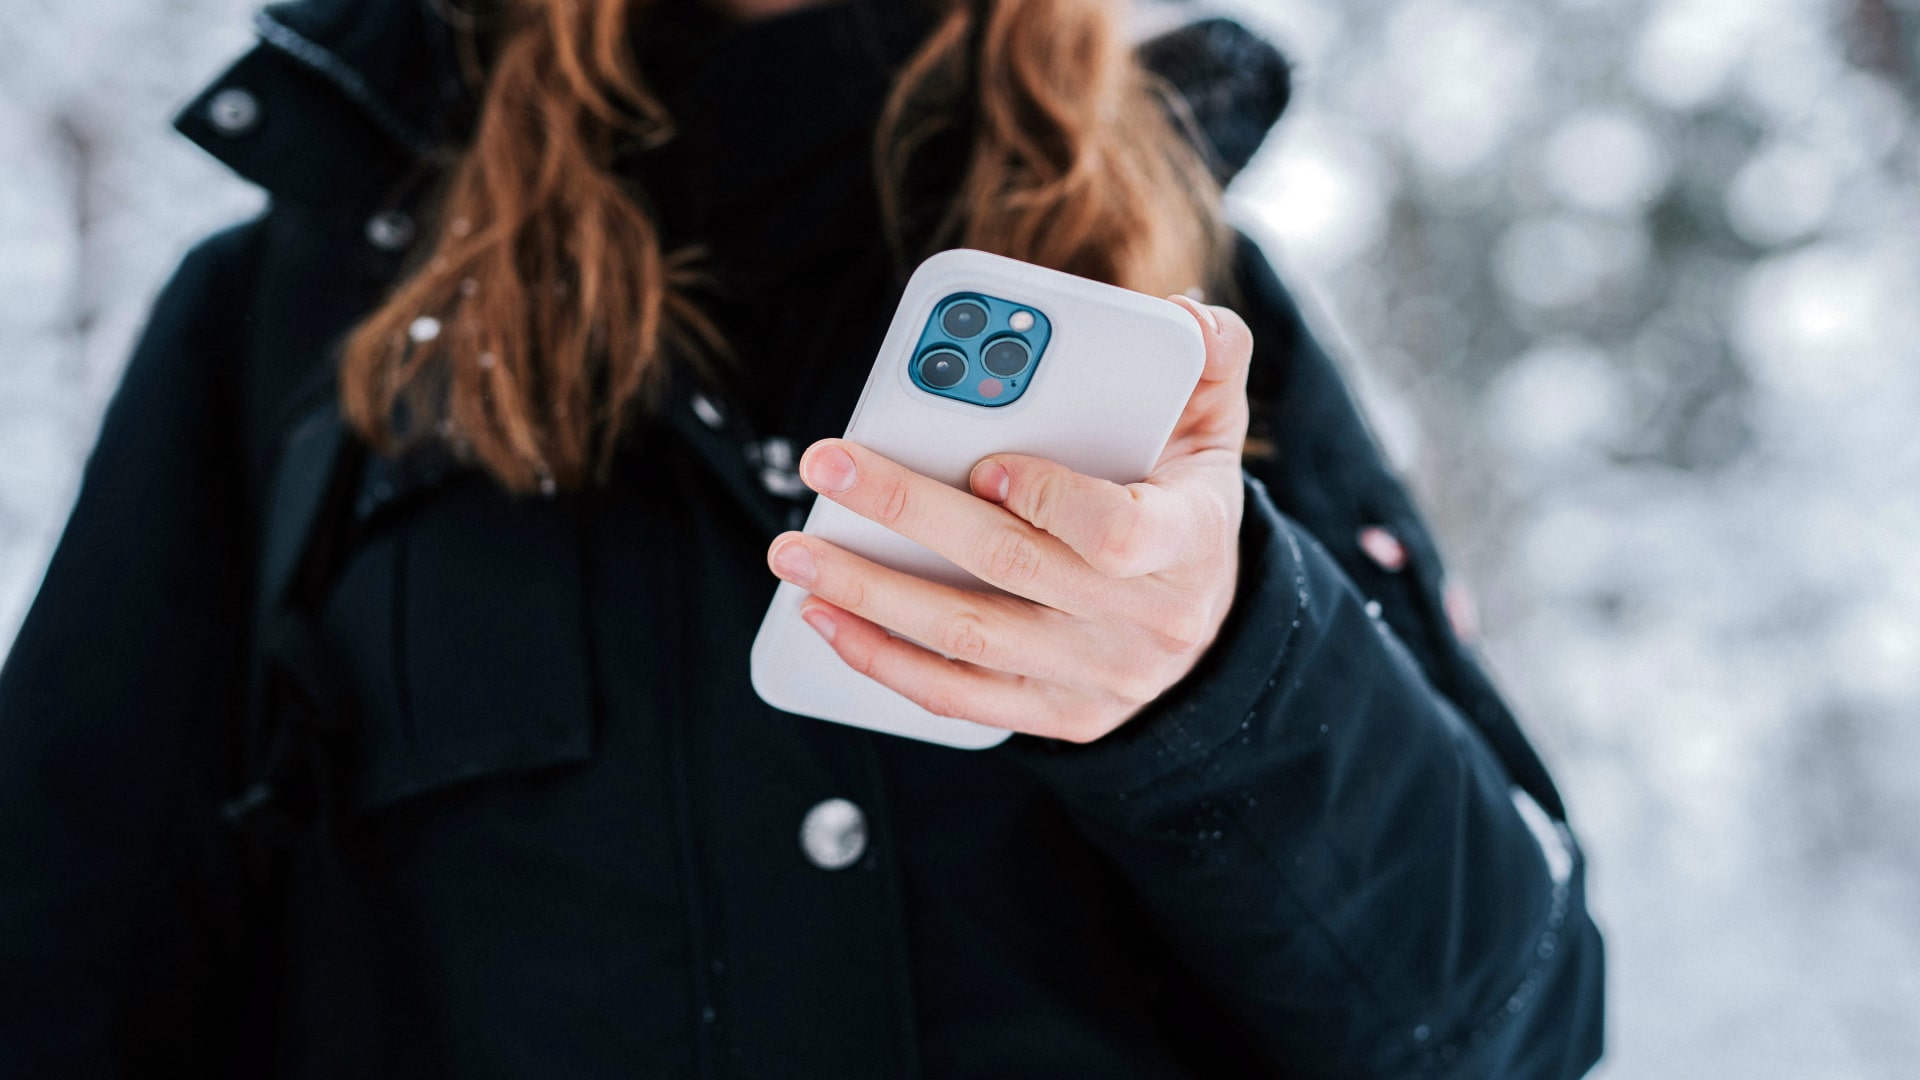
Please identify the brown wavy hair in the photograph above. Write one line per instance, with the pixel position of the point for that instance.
(541, 315)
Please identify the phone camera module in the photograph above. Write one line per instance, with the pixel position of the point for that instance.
(964, 319)
(1007, 357)
(978, 349)
(944, 368)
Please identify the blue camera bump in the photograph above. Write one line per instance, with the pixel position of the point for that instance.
(980, 349)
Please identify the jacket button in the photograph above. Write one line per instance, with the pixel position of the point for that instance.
(390, 230)
(778, 472)
(834, 834)
(708, 412)
(233, 111)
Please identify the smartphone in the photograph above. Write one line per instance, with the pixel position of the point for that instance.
(985, 355)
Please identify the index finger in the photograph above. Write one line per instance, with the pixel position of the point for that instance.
(983, 539)
(1122, 532)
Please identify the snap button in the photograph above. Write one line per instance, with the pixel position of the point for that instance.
(784, 483)
(390, 230)
(1384, 548)
(233, 111)
(776, 453)
(779, 473)
(834, 834)
(708, 412)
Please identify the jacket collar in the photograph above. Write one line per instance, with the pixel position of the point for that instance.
(343, 104)
(376, 83)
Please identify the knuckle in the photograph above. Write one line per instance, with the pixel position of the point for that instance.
(1082, 724)
(1138, 685)
(847, 590)
(964, 637)
(1045, 489)
(941, 702)
(890, 501)
(1182, 634)
(1011, 557)
(864, 659)
(1122, 543)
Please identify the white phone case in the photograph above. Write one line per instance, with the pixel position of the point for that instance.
(1109, 386)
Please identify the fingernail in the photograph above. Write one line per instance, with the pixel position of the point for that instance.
(829, 470)
(821, 622)
(991, 481)
(1205, 311)
(1213, 321)
(794, 563)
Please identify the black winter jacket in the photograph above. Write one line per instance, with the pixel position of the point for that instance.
(315, 765)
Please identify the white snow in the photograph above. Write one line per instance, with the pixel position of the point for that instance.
(1629, 290)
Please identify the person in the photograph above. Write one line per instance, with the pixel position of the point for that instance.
(385, 709)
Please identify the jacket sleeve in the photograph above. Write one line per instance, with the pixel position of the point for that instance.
(1371, 874)
(115, 702)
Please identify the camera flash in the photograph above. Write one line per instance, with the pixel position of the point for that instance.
(1021, 321)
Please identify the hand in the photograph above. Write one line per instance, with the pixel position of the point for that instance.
(1113, 593)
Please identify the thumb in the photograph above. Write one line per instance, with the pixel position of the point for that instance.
(1216, 414)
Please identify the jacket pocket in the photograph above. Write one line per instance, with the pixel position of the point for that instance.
(462, 626)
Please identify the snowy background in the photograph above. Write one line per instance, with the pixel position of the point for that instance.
(1631, 289)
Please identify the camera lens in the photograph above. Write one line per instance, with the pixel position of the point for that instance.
(942, 368)
(1006, 357)
(964, 319)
